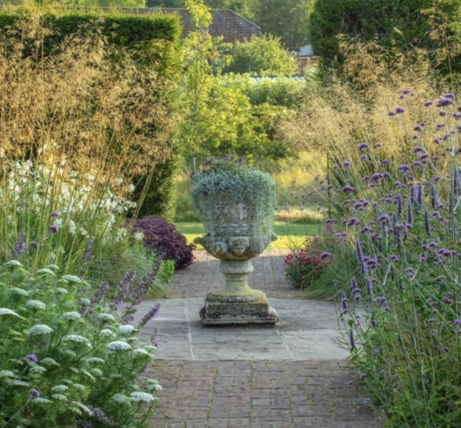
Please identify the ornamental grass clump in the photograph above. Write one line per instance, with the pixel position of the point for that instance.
(65, 360)
(401, 311)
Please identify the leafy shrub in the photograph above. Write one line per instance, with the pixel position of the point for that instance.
(163, 239)
(303, 267)
(64, 358)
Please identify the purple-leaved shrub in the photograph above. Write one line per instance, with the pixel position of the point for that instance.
(163, 238)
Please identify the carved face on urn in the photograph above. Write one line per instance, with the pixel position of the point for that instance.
(238, 245)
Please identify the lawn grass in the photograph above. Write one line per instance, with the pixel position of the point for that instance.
(290, 235)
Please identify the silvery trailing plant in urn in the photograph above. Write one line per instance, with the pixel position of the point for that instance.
(237, 206)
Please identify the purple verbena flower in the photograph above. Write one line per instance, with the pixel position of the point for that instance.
(363, 146)
(35, 393)
(32, 357)
(348, 188)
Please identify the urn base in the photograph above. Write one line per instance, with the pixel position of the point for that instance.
(247, 309)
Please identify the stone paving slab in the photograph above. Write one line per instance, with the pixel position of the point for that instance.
(308, 331)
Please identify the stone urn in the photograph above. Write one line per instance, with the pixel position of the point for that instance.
(237, 206)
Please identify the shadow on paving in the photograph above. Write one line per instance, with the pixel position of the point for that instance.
(247, 376)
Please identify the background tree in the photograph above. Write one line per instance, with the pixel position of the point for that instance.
(287, 19)
(261, 56)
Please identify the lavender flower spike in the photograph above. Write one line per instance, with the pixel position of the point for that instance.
(149, 315)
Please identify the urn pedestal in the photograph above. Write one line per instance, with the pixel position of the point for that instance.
(237, 206)
(237, 303)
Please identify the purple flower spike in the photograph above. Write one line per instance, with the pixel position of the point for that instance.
(378, 145)
(419, 149)
(377, 176)
(347, 188)
(404, 167)
(391, 113)
(406, 91)
(400, 110)
(386, 161)
(428, 103)
(363, 146)
(364, 157)
(325, 255)
(445, 102)
(347, 163)
(418, 128)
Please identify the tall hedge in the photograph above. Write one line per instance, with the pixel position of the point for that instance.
(153, 42)
(395, 22)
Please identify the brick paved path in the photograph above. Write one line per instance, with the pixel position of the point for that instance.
(256, 393)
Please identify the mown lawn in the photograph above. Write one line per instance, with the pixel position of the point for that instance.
(290, 235)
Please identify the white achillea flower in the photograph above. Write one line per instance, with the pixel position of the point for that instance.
(61, 290)
(119, 345)
(153, 385)
(14, 263)
(35, 304)
(138, 236)
(50, 362)
(126, 329)
(95, 360)
(71, 316)
(60, 388)
(105, 332)
(96, 372)
(72, 227)
(59, 397)
(39, 329)
(142, 396)
(107, 317)
(76, 338)
(85, 301)
(37, 369)
(7, 373)
(45, 271)
(6, 311)
(143, 352)
(19, 291)
(18, 383)
(121, 399)
(41, 400)
(72, 278)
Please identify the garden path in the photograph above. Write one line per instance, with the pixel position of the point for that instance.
(295, 374)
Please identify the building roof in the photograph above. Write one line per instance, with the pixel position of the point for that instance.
(226, 23)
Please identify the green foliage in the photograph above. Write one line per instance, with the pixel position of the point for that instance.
(216, 116)
(394, 22)
(64, 359)
(261, 56)
(155, 192)
(228, 182)
(286, 19)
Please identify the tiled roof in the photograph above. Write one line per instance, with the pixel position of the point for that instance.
(226, 23)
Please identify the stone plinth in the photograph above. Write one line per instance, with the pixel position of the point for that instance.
(237, 303)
